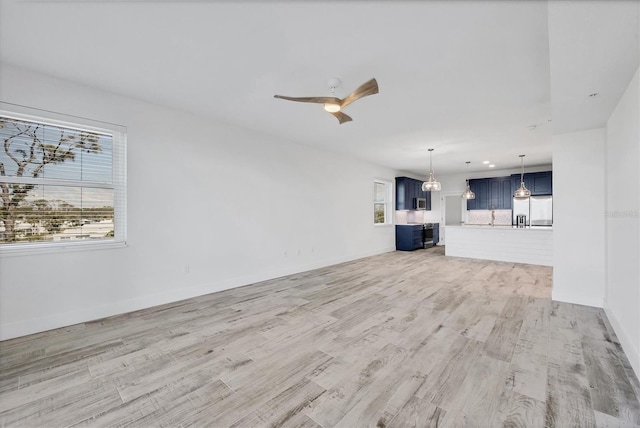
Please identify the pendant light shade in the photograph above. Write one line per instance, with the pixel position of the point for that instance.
(431, 185)
(522, 192)
(468, 194)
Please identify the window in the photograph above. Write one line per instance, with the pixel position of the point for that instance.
(62, 180)
(381, 205)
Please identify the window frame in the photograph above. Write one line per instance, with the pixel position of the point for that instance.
(118, 182)
(388, 196)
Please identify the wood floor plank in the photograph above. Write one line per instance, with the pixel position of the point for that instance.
(475, 317)
(66, 406)
(267, 385)
(418, 413)
(340, 399)
(516, 410)
(528, 369)
(447, 374)
(394, 340)
(611, 392)
(283, 407)
(478, 396)
(568, 401)
(384, 399)
(607, 421)
(503, 337)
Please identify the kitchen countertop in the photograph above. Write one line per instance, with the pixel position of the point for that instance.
(500, 227)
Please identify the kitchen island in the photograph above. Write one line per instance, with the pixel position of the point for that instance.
(502, 243)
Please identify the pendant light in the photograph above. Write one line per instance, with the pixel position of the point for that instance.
(431, 184)
(522, 192)
(468, 194)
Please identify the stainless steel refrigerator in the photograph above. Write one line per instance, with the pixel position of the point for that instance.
(537, 209)
(520, 207)
(541, 208)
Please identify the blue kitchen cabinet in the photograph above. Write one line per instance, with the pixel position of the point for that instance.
(494, 194)
(407, 190)
(542, 183)
(412, 193)
(507, 193)
(408, 237)
(491, 193)
(401, 193)
(500, 194)
(539, 183)
(481, 188)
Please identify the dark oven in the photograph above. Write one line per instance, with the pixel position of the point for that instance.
(427, 235)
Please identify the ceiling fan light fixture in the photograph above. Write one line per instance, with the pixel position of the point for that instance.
(431, 185)
(332, 108)
(334, 105)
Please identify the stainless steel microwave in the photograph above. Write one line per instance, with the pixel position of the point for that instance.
(420, 203)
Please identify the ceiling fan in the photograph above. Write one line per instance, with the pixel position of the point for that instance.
(335, 105)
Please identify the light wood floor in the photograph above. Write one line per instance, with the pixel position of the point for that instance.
(395, 340)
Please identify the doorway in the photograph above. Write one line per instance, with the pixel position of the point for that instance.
(452, 215)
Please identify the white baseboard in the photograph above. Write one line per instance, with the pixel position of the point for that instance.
(595, 302)
(49, 322)
(627, 345)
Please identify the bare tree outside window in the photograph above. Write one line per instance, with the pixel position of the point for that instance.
(380, 202)
(46, 177)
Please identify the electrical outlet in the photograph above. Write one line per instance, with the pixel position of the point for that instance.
(187, 268)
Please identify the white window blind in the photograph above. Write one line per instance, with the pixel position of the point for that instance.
(381, 198)
(62, 180)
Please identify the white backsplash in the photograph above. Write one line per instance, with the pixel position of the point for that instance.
(415, 216)
(404, 217)
(503, 217)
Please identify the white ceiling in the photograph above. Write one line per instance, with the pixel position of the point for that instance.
(475, 80)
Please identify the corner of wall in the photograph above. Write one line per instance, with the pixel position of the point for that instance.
(632, 353)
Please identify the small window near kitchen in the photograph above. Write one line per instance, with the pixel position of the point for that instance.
(381, 198)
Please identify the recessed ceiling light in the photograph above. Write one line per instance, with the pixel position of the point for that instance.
(595, 94)
(485, 162)
(492, 166)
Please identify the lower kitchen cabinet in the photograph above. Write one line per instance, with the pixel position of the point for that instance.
(413, 236)
(408, 237)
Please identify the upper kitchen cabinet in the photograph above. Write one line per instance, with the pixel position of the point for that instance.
(407, 190)
(490, 193)
(500, 193)
(481, 188)
(542, 183)
(539, 183)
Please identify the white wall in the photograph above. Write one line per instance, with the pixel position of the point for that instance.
(622, 301)
(578, 217)
(236, 206)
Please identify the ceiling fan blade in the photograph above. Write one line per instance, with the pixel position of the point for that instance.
(319, 100)
(342, 118)
(368, 88)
